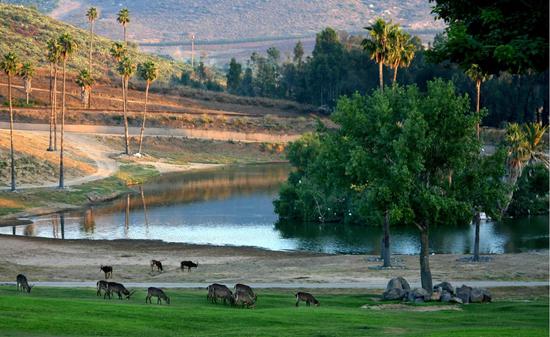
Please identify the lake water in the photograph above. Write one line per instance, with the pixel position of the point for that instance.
(233, 206)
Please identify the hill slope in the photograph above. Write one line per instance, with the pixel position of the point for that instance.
(26, 31)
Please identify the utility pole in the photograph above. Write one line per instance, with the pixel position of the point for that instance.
(193, 50)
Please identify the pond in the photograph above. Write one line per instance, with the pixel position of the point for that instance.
(233, 206)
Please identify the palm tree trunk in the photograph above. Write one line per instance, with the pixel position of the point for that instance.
(425, 272)
(477, 222)
(90, 62)
(50, 145)
(387, 252)
(125, 41)
(55, 107)
(395, 75)
(27, 93)
(478, 89)
(381, 75)
(61, 163)
(144, 117)
(124, 108)
(12, 154)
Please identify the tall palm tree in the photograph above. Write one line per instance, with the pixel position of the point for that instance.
(54, 56)
(10, 65)
(26, 72)
(92, 15)
(148, 72)
(85, 82)
(124, 19)
(401, 52)
(68, 47)
(478, 76)
(377, 44)
(126, 68)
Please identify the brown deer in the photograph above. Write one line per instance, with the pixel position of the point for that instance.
(108, 270)
(189, 265)
(244, 298)
(306, 297)
(23, 284)
(158, 293)
(245, 289)
(102, 285)
(219, 291)
(119, 289)
(157, 264)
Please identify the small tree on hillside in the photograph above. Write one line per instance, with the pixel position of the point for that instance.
(26, 72)
(123, 18)
(234, 76)
(85, 81)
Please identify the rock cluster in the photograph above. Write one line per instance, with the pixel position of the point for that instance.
(398, 289)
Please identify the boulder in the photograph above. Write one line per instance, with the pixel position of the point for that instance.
(436, 295)
(464, 293)
(446, 296)
(394, 294)
(399, 283)
(446, 286)
(418, 295)
(478, 295)
(456, 300)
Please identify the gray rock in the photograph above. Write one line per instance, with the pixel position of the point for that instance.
(394, 294)
(456, 300)
(418, 293)
(464, 293)
(479, 295)
(399, 283)
(446, 297)
(436, 295)
(445, 286)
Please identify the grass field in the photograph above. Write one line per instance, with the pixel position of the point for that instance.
(64, 312)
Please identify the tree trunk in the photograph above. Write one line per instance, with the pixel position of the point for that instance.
(50, 145)
(124, 108)
(395, 75)
(125, 41)
(90, 62)
(144, 117)
(478, 89)
(387, 252)
(61, 163)
(12, 154)
(477, 222)
(425, 273)
(55, 107)
(62, 222)
(381, 75)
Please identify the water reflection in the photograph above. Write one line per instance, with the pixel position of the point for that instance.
(233, 206)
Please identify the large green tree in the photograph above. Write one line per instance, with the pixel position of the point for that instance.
(10, 66)
(378, 44)
(234, 76)
(148, 72)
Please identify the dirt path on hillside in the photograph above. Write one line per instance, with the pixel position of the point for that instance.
(79, 260)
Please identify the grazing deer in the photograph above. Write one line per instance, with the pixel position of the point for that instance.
(306, 297)
(108, 270)
(23, 284)
(219, 291)
(157, 264)
(244, 298)
(245, 289)
(189, 265)
(102, 285)
(158, 293)
(119, 289)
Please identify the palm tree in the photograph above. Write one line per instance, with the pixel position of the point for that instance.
(478, 76)
(148, 72)
(67, 46)
(92, 15)
(124, 19)
(26, 72)
(85, 82)
(401, 52)
(54, 56)
(377, 44)
(126, 68)
(10, 66)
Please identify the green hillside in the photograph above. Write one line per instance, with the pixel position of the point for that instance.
(25, 31)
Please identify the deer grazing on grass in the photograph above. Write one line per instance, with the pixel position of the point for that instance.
(306, 297)
(102, 285)
(189, 265)
(23, 284)
(219, 291)
(118, 288)
(158, 293)
(244, 298)
(108, 270)
(245, 289)
(157, 264)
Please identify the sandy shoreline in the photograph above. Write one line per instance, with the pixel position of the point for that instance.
(79, 260)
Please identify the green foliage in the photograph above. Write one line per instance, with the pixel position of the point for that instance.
(26, 71)
(148, 71)
(234, 76)
(84, 79)
(531, 196)
(123, 16)
(92, 14)
(10, 64)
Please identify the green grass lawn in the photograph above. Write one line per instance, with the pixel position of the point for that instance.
(64, 312)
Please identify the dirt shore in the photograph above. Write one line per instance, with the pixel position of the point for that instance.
(79, 260)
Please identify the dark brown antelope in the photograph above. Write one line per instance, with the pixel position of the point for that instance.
(157, 264)
(244, 298)
(119, 289)
(102, 285)
(189, 265)
(158, 293)
(219, 291)
(246, 289)
(23, 284)
(306, 297)
(108, 270)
